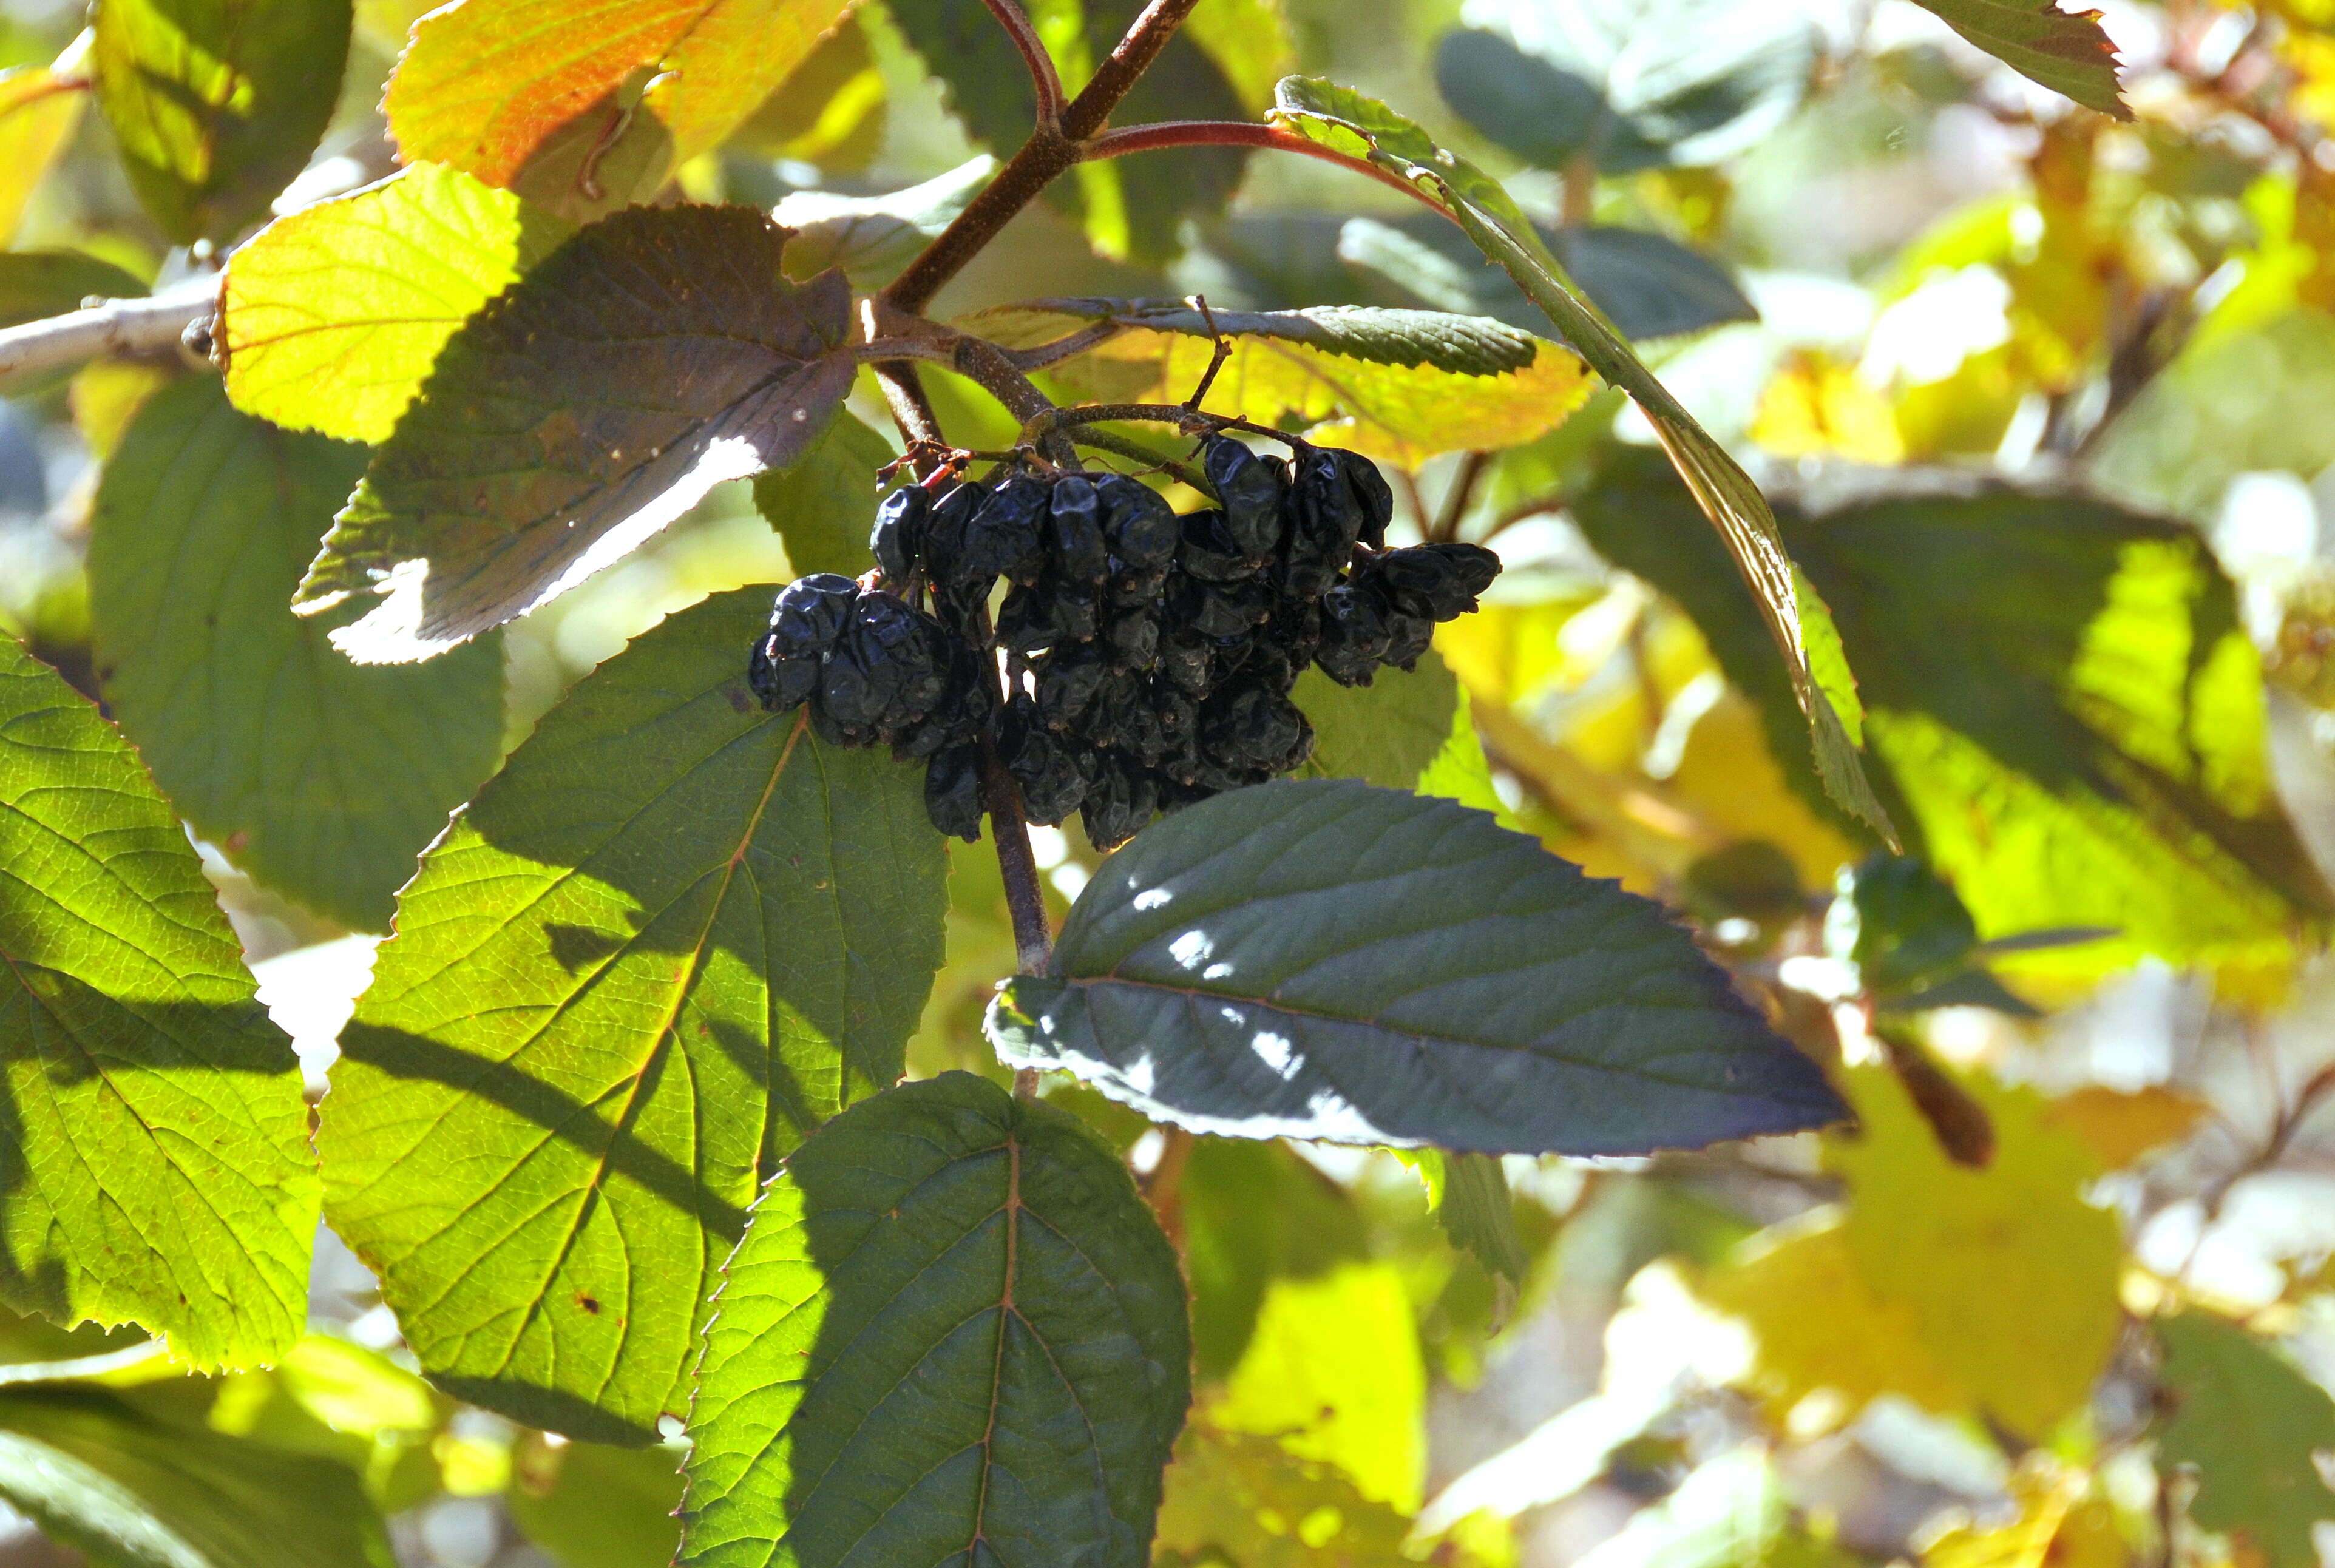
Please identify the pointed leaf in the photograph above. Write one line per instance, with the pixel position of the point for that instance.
(321, 777)
(135, 1492)
(1387, 732)
(1462, 344)
(331, 317)
(1478, 1213)
(2249, 1421)
(670, 938)
(650, 358)
(154, 1138)
(954, 1334)
(2067, 50)
(216, 104)
(873, 238)
(487, 85)
(1322, 959)
(1348, 121)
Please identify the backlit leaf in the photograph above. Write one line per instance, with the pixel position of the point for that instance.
(157, 1145)
(331, 317)
(650, 358)
(1350, 123)
(216, 104)
(137, 1493)
(321, 777)
(589, 1505)
(1397, 385)
(1254, 1212)
(872, 238)
(39, 108)
(670, 938)
(2067, 50)
(1238, 1498)
(1387, 732)
(1322, 959)
(2249, 1421)
(953, 1332)
(825, 504)
(489, 85)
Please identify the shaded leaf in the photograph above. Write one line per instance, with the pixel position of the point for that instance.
(954, 1331)
(1254, 1212)
(650, 358)
(1544, 115)
(2249, 1421)
(1649, 286)
(824, 505)
(322, 778)
(1239, 1498)
(2063, 698)
(1795, 618)
(1479, 1216)
(1324, 959)
(588, 1505)
(1397, 385)
(873, 238)
(155, 1143)
(35, 283)
(2067, 50)
(130, 1491)
(331, 317)
(610, 1007)
(1387, 732)
(216, 104)
(490, 85)
(40, 106)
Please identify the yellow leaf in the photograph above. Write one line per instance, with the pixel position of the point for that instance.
(1333, 1371)
(2119, 1128)
(2061, 1525)
(39, 108)
(1818, 407)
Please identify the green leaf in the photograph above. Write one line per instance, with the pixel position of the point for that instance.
(2062, 696)
(135, 1493)
(824, 505)
(669, 939)
(1479, 1216)
(155, 1138)
(588, 1505)
(953, 1332)
(1398, 385)
(1545, 115)
(604, 98)
(332, 316)
(2249, 1421)
(1255, 1212)
(1347, 121)
(1239, 1498)
(1387, 732)
(650, 358)
(216, 104)
(322, 778)
(873, 238)
(35, 283)
(2067, 50)
(1322, 959)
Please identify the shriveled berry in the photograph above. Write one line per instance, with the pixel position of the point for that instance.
(1006, 537)
(1043, 765)
(1250, 488)
(1138, 525)
(1325, 519)
(1068, 684)
(1025, 621)
(952, 792)
(781, 683)
(811, 611)
(1209, 551)
(1373, 493)
(1439, 581)
(946, 538)
(1074, 536)
(898, 538)
(1222, 609)
(1132, 637)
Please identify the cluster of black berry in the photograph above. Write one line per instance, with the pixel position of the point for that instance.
(1148, 657)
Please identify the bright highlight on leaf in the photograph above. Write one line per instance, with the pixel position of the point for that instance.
(1322, 959)
(322, 778)
(1349, 122)
(2065, 50)
(648, 360)
(156, 1145)
(609, 1011)
(953, 1333)
(332, 316)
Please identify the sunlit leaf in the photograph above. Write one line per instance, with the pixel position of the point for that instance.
(216, 104)
(2062, 1523)
(489, 85)
(953, 1331)
(331, 317)
(2067, 50)
(1254, 1212)
(1387, 732)
(1324, 959)
(1398, 385)
(1350, 123)
(1238, 1498)
(39, 109)
(670, 938)
(872, 238)
(650, 358)
(321, 777)
(156, 1137)
(2249, 1421)
(135, 1492)
(823, 505)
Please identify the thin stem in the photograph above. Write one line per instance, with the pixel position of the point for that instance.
(1017, 25)
(986, 364)
(1170, 133)
(1025, 896)
(1191, 422)
(1040, 355)
(911, 405)
(1051, 149)
(1462, 491)
(115, 326)
(1104, 441)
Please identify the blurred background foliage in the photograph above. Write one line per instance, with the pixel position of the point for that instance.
(2047, 405)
